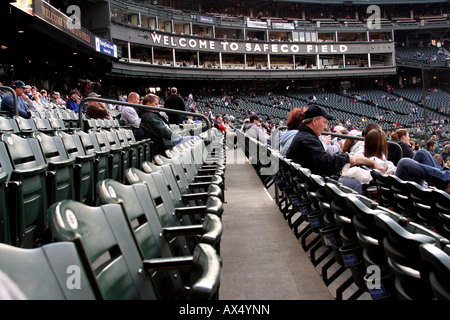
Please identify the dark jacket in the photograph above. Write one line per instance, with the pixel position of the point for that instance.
(154, 128)
(175, 102)
(8, 105)
(394, 153)
(307, 150)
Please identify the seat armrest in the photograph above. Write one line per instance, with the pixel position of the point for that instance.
(158, 264)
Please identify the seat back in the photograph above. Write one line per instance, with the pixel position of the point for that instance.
(83, 168)
(8, 125)
(51, 272)
(106, 142)
(101, 164)
(103, 239)
(170, 179)
(148, 232)
(135, 150)
(26, 126)
(5, 236)
(437, 269)
(140, 209)
(402, 249)
(22, 159)
(386, 197)
(43, 125)
(60, 175)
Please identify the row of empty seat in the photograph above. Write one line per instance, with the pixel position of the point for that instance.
(153, 234)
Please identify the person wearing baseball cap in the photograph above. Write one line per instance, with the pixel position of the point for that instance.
(253, 130)
(22, 101)
(307, 150)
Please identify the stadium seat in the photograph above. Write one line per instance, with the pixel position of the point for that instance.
(384, 194)
(370, 238)
(106, 142)
(186, 178)
(401, 191)
(135, 150)
(60, 172)
(401, 245)
(24, 162)
(180, 215)
(437, 269)
(424, 204)
(53, 271)
(105, 239)
(9, 125)
(83, 167)
(137, 202)
(101, 163)
(442, 201)
(44, 125)
(4, 218)
(26, 126)
(180, 194)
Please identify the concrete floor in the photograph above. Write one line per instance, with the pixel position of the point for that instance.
(262, 259)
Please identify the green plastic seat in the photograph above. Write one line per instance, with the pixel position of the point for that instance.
(51, 272)
(107, 242)
(101, 162)
(437, 269)
(60, 173)
(26, 126)
(401, 241)
(115, 155)
(5, 236)
(22, 159)
(181, 214)
(179, 188)
(8, 125)
(83, 167)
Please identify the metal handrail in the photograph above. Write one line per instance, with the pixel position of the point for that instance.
(16, 105)
(87, 99)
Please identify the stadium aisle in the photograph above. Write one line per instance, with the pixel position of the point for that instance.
(262, 259)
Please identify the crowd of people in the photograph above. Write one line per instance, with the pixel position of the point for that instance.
(304, 135)
(402, 157)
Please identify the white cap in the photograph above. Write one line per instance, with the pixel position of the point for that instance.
(355, 133)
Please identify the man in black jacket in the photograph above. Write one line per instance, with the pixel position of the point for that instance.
(174, 101)
(307, 150)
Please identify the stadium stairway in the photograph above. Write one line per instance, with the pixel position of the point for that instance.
(262, 260)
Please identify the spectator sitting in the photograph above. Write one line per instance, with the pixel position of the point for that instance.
(218, 124)
(96, 109)
(307, 150)
(349, 143)
(430, 146)
(439, 159)
(401, 137)
(253, 130)
(130, 116)
(295, 118)
(156, 127)
(446, 152)
(23, 101)
(74, 101)
(358, 148)
(44, 97)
